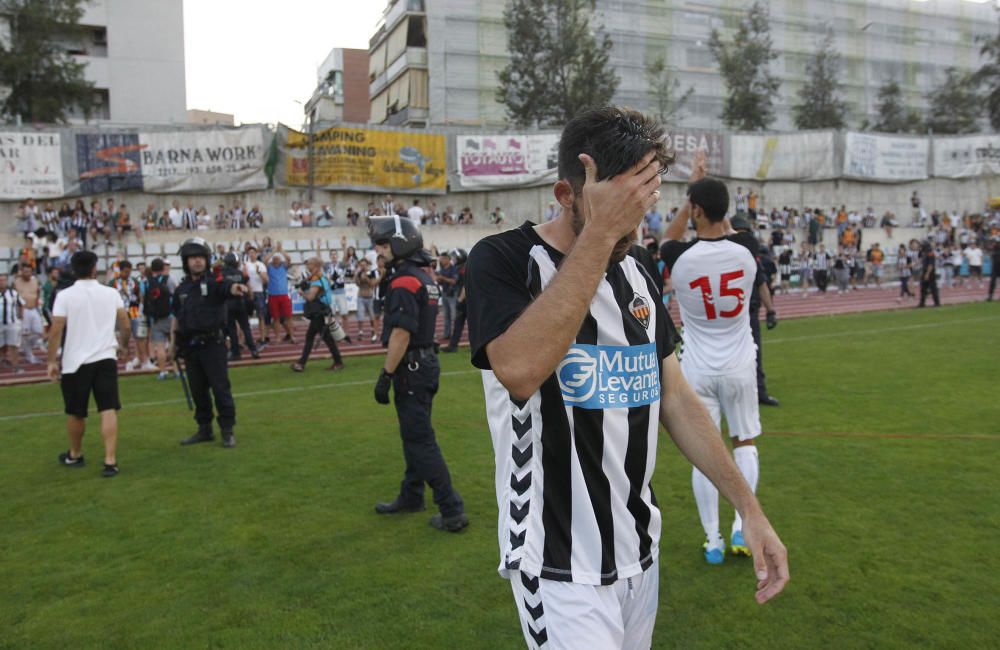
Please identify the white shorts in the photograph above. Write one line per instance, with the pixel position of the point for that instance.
(10, 335)
(340, 304)
(733, 395)
(32, 322)
(567, 616)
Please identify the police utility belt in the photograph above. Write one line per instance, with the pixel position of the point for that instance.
(414, 356)
(202, 339)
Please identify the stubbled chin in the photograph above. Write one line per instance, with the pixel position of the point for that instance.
(620, 250)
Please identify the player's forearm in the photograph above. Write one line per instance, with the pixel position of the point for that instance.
(528, 352)
(399, 340)
(677, 227)
(692, 430)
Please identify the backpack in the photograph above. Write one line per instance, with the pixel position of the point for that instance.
(156, 302)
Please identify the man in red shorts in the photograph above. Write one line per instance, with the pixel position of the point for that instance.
(279, 304)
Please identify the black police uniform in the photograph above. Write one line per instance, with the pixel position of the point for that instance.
(200, 309)
(928, 278)
(237, 313)
(411, 303)
(995, 270)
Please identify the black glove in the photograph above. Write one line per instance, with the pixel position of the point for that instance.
(772, 319)
(382, 387)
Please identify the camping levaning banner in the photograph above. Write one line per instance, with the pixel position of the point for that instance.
(966, 156)
(30, 165)
(489, 161)
(367, 160)
(786, 157)
(217, 160)
(887, 158)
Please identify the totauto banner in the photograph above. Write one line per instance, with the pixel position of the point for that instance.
(495, 161)
(365, 160)
(218, 160)
(887, 158)
(30, 165)
(967, 156)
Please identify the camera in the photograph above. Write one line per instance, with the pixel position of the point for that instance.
(373, 274)
(303, 285)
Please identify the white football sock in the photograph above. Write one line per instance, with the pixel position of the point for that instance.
(707, 498)
(749, 464)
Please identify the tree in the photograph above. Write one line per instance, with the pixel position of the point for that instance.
(820, 105)
(45, 82)
(558, 64)
(989, 74)
(745, 66)
(668, 101)
(893, 117)
(955, 105)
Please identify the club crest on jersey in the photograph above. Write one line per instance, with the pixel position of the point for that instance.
(640, 309)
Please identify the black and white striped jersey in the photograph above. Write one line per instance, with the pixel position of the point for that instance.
(575, 460)
(10, 307)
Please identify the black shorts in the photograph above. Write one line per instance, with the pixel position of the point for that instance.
(377, 305)
(975, 270)
(101, 378)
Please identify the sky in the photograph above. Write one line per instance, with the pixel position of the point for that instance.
(254, 59)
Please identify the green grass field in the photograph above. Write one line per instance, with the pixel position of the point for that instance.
(882, 480)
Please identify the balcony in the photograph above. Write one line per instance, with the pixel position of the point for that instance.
(409, 116)
(394, 15)
(412, 57)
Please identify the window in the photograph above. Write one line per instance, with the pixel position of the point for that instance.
(699, 57)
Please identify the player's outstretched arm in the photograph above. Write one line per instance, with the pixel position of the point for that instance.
(694, 433)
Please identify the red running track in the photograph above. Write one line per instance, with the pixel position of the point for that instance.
(793, 305)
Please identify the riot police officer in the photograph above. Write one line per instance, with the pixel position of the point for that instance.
(411, 368)
(237, 311)
(199, 308)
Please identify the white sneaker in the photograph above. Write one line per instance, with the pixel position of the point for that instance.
(30, 358)
(149, 365)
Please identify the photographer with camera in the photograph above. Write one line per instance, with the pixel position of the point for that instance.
(237, 310)
(366, 279)
(315, 289)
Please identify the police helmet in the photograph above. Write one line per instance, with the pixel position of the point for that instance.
(231, 260)
(401, 233)
(194, 247)
(459, 255)
(740, 223)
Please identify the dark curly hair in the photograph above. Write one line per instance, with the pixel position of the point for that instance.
(615, 137)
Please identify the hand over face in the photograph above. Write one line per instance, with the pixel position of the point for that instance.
(617, 205)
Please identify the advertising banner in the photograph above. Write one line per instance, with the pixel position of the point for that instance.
(492, 161)
(887, 158)
(367, 160)
(217, 160)
(229, 160)
(30, 165)
(966, 156)
(785, 157)
(685, 143)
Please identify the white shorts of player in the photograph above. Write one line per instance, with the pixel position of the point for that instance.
(10, 336)
(733, 395)
(567, 616)
(32, 322)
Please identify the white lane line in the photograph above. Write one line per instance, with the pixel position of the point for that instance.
(901, 328)
(253, 393)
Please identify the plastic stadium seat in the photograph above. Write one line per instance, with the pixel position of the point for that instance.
(102, 264)
(174, 261)
(6, 253)
(153, 249)
(364, 243)
(171, 248)
(305, 245)
(351, 242)
(4, 266)
(288, 244)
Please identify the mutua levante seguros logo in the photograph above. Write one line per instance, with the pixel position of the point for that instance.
(610, 376)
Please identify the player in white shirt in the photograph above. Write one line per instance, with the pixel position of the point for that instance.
(713, 277)
(88, 312)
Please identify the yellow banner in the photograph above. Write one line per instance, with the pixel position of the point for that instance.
(367, 159)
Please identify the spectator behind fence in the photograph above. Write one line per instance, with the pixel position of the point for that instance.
(366, 280)
(87, 312)
(447, 278)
